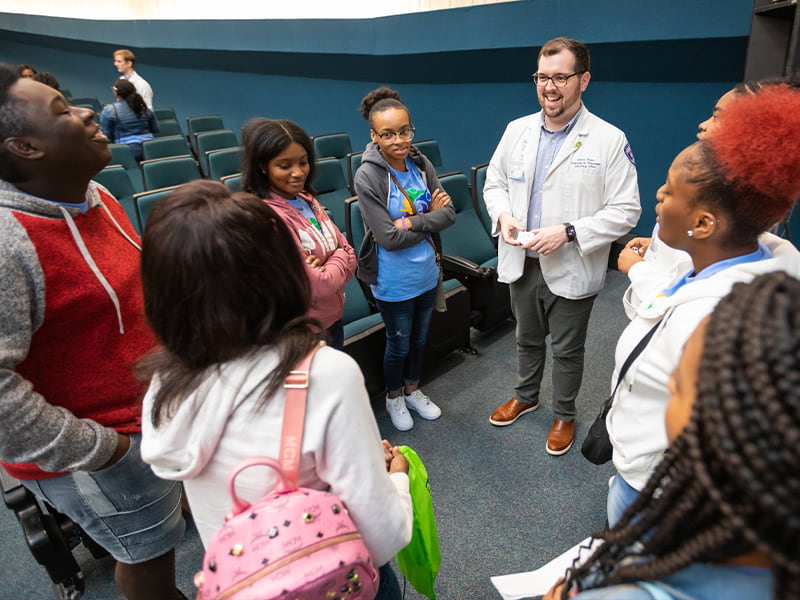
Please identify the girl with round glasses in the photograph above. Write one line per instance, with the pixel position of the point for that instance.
(404, 210)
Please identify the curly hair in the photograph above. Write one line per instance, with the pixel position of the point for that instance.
(750, 167)
(378, 100)
(729, 484)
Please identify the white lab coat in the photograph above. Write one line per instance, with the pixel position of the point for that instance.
(591, 184)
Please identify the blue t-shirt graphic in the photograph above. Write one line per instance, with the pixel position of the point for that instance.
(407, 273)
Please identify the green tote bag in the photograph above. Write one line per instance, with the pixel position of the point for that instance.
(420, 560)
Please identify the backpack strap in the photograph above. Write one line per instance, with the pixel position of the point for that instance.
(294, 414)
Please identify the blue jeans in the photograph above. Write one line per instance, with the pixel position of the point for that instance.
(407, 324)
(389, 587)
(620, 496)
(125, 508)
(336, 335)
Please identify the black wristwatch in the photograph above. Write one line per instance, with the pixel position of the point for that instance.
(571, 235)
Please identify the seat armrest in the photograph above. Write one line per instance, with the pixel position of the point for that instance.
(458, 265)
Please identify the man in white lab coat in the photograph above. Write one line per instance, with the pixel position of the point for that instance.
(561, 186)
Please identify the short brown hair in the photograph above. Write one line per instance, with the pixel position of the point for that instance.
(126, 55)
(581, 52)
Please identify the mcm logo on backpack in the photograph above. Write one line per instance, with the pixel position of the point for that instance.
(294, 543)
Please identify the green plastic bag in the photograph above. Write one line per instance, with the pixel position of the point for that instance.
(420, 560)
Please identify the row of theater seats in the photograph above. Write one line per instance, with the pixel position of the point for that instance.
(474, 296)
(210, 150)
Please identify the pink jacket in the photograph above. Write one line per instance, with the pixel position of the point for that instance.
(330, 246)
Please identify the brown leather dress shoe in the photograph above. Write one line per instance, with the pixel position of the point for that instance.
(507, 413)
(560, 438)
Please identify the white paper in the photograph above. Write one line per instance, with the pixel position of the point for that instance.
(537, 583)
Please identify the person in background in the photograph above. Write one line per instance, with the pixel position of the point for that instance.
(278, 165)
(721, 196)
(124, 60)
(47, 79)
(720, 516)
(226, 293)
(560, 188)
(128, 120)
(404, 210)
(72, 327)
(26, 71)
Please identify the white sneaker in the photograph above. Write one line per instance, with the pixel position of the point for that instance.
(401, 419)
(419, 402)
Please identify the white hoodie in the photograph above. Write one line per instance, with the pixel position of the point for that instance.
(218, 425)
(636, 420)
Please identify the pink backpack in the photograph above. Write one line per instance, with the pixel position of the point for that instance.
(294, 543)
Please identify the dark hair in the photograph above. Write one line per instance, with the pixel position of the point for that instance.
(13, 119)
(22, 68)
(749, 168)
(264, 139)
(581, 52)
(729, 484)
(47, 79)
(222, 278)
(379, 100)
(126, 55)
(127, 91)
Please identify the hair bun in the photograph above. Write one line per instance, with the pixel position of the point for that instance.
(371, 99)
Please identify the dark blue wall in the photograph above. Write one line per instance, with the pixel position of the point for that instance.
(658, 68)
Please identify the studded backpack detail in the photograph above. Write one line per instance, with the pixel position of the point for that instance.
(294, 543)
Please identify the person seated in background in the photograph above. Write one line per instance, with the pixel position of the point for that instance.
(227, 294)
(72, 327)
(278, 165)
(128, 120)
(720, 517)
(26, 71)
(721, 196)
(124, 60)
(47, 79)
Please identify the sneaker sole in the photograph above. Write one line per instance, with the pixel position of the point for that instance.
(409, 407)
(514, 420)
(403, 428)
(558, 452)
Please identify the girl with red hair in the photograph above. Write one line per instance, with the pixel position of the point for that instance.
(721, 195)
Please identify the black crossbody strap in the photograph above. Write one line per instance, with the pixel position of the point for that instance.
(626, 365)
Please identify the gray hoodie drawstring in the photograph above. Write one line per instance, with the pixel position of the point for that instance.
(92, 265)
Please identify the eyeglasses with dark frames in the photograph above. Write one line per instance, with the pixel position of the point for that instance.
(559, 79)
(404, 134)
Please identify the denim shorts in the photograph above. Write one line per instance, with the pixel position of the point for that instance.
(125, 508)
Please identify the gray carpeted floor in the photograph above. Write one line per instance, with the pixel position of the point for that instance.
(502, 504)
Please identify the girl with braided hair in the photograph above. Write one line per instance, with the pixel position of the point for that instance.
(720, 517)
(722, 194)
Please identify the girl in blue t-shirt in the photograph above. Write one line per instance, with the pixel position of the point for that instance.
(403, 209)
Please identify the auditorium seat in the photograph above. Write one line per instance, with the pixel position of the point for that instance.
(233, 182)
(165, 172)
(331, 188)
(478, 180)
(208, 141)
(198, 124)
(115, 179)
(121, 154)
(470, 256)
(353, 162)
(163, 147)
(224, 162)
(169, 127)
(145, 202)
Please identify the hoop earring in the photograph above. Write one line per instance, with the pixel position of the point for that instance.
(690, 233)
